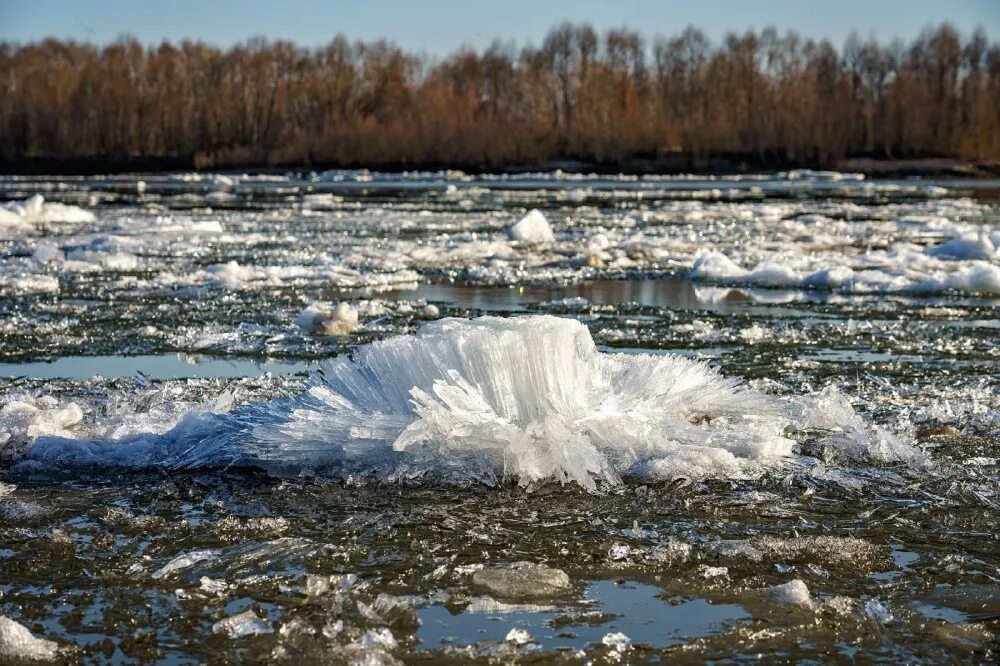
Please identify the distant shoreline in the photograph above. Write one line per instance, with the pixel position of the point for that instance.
(672, 165)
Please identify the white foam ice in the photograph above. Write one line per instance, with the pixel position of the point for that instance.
(24, 417)
(967, 246)
(525, 399)
(518, 636)
(29, 284)
(18, 644)
(13, 225)
(957, 265)
(532, 229)
(21, 217)
(328, 319)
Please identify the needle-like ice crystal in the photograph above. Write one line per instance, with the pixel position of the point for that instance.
(525, 399)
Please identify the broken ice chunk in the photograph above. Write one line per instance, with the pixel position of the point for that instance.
(246, 623)
(532, 229)
(522, 579)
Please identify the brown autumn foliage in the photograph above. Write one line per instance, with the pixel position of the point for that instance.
(601, 98)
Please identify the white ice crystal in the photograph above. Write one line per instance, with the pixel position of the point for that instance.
(18, 644)
(525, 399)
(325, 319)
(533, 228)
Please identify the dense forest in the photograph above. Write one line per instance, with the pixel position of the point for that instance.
(762, 97)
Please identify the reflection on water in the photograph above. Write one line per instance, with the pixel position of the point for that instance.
(154, 366)
(635, 609)
(670, 293)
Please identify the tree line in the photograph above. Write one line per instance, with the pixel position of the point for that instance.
(603, 98)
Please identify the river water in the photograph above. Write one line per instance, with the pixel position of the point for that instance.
(717, 417)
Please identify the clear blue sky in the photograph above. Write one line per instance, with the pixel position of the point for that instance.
(439, 27)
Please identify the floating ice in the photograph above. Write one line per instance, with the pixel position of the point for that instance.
(23, 418)
(969, 246)
(17, 643)
(13, 225)
(522, 579)
(617, 641)
(518, 636)
(185, 561)
(378, 638)
(524, 399)
(246, 623)
(794, 593)
(24, 284)
(877, 272)
(340, 319)
(532, 229)
(877, 611)
(36, 210)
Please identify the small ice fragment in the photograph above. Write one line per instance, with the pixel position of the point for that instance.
(754, 334)
(6, 488)
(378, 638)
(532, 229)
(969, 246)
(713, 572)
(877, 611)
(46, 252)
(518, 636)
(246, 623)
(838, 605)
(522, 579)
(332, 629)
(715, 266)
(213, 586)
(315, 586)
(296, 627)
(17, 643)
(438, 573)
(617, 640)
(670, 552)
(430, 311)
(619, 551)
(185, 561)
(321, 318)
(793, 593)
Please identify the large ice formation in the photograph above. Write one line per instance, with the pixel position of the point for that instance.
(526, 398)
